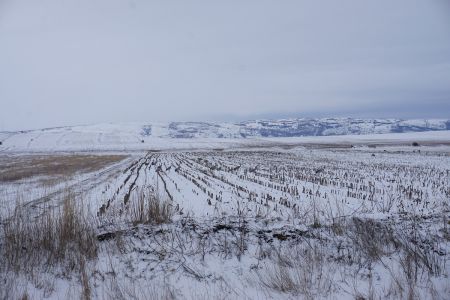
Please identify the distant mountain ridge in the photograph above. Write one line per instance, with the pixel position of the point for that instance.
(202, 135)
(294, 127)
(304, 127)
(330, 126)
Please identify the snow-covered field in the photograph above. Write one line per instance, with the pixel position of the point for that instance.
(342, 217)
(138, 137)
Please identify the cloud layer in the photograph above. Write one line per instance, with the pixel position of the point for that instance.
(87, 61)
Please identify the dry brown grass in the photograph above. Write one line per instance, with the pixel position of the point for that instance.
(150, 208)
(300, 271)
(23, 167)
(63, 237)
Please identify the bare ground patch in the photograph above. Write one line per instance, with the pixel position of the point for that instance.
(23, 167)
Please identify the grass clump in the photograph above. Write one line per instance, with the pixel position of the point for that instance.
(57, 237)
(149, 208)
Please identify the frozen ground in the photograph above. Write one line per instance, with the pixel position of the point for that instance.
(354, 217)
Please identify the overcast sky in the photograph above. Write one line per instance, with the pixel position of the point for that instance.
(66, 62)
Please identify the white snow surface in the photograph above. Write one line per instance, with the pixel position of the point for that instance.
(279, 186)
(134, 137)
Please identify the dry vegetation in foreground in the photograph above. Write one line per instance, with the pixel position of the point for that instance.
(343, 255)
(347, 260)
(60, 242)
(147, 208)
(307, 264)
(59, 237)
(23, 167)
(63, 242)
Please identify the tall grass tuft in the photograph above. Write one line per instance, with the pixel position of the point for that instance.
(63, 236)
(150, 209)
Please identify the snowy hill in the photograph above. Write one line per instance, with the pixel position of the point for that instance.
(340, 126)
(137, 136)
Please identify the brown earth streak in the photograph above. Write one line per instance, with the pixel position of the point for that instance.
(14, 168)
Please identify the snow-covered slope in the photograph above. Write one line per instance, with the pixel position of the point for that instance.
(189, 135)
(294, 127)
(341, 126)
